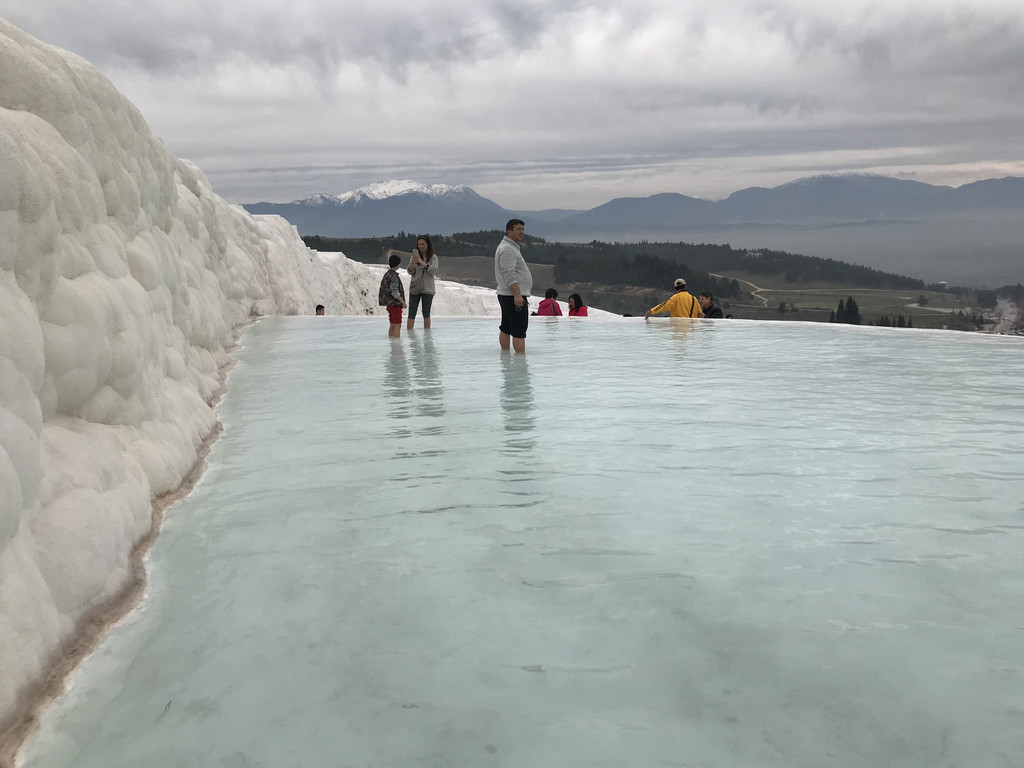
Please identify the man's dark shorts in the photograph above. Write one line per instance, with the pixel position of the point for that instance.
(514, 319)
(414, 303)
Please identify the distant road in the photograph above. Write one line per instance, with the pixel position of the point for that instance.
(756, 292)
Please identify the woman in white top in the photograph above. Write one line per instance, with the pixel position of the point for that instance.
(422, 269)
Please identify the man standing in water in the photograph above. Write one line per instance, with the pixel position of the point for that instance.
(679, 304)
(514, 285)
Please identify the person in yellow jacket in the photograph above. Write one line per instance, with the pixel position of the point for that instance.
(681, 304)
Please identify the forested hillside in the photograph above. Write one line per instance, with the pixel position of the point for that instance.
(646, 264)
(628, 278)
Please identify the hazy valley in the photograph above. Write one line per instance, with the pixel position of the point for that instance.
(970, 235)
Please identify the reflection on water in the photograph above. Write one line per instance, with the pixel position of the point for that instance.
(425, 385)
(396, 388)
(677, 333)
(517, 403)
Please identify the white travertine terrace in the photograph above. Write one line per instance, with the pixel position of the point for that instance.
(123, 279)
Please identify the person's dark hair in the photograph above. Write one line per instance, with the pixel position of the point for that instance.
(550, 293)
(394, 260)
(430, 245)
(319, 307)
(578, 299)
(706, 295)
(513, 223)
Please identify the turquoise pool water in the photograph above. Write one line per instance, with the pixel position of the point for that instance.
(644, 544)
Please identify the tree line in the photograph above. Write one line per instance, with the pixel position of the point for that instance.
(642, 269)
(640, 263)
(848, 313)
(897, 321)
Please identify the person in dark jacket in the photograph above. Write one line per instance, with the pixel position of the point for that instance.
(709, 305)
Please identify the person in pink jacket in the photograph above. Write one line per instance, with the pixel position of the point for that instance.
(576, 306)
(549, 307)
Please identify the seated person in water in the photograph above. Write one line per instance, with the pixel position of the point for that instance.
(549, 307)
(576, 306)
(319, 309)
(709, 305)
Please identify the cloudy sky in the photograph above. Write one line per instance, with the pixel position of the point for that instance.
(560, 103)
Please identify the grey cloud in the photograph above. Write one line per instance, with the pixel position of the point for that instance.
(186, 38)
(981, 41)
(721, 80)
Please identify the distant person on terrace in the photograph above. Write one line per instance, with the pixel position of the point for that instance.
(422, 269)
(709, 305)
(680, 304)
(576, 306)
(549, 307)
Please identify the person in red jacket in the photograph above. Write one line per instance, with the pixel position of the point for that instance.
(549, 307)
(576, 306)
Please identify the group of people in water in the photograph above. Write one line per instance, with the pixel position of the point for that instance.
(514, 284)
(683, 304)
(549, 305)
(422, 270)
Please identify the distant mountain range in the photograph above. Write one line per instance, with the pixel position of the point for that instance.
(973, 234)
(388, 208)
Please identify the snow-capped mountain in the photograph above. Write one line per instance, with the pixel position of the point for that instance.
(387, 207)
(385, 189)
(382, 190)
